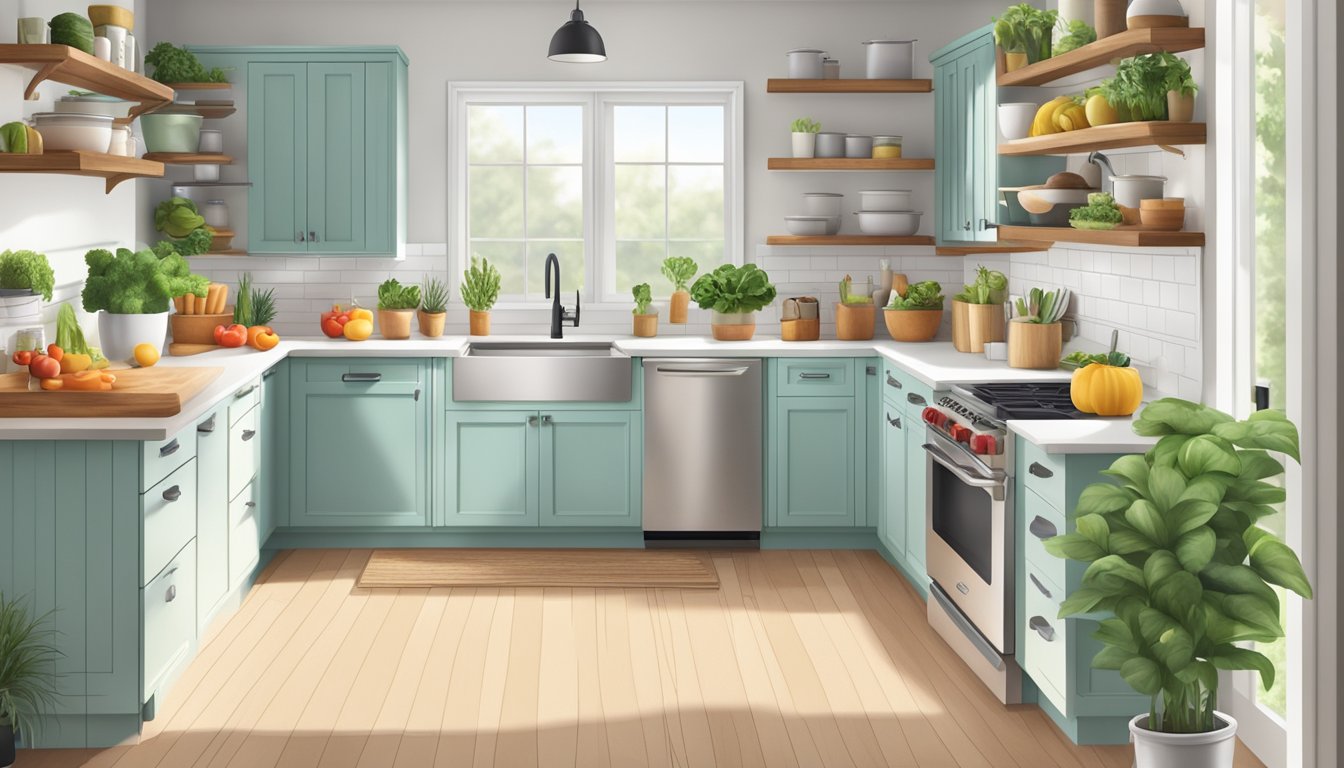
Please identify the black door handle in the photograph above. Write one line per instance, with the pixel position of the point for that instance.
(1042, 628)
(1042, 529)
(914, 399)
(896, 422)
(172, 494)
(248, 434)
(894, 383)
(361, 378)
(206, 427)
(1040, 471)
(170, 448)
(1039, 585)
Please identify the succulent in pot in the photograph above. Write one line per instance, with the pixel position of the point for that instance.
(26, 280)
(397, 303)
(646, 315)
(480, 291)
(1035, 336)
(27, 677)
(734, 294)
(978, 311)
(1181, 572)
(805, 131)
(916, 314)
(679, 270)
(433, 310)
(131, 292)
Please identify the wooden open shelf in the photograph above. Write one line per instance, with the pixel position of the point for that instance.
(207, 111)
(971, 248)
(200, 86)
(228, 252)
(189, 158)
(847, 240)
(1122, 236)
(1114, 136)
(851, 164)
(846, 85)
(112, 168)
(1120, 46)
(63, 64)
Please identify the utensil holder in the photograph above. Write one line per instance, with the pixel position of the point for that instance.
(985, 323)
(1036, 346)
(799, 330)
(961, 326)
(854, 322)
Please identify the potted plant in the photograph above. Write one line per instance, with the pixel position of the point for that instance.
(1177, 562)
(131, 292)
(1075, 33)
(433, 307)
(397, 303)
(1139, 88)
(26, 280)
(805, 131)
(735, 294)
(480, 290)
(1024, 33)
(977, 312)
(916, 315)
(27, 677)
(855, 316)
(1181, 87)
(679, 270)
(1035, 336)
(646, 315)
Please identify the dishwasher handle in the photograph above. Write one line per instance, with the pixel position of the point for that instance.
(696, 372)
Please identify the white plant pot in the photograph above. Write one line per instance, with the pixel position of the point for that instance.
(118, 334)
(804, 144)
(20, 308)
(1215, 749)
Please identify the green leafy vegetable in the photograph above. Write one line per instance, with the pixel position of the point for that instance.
(805, 125)
(73, 30)
(730, 290)
(679, 270)
(990, 287)
(27, 269)
(393, 295)
(1044, 307)
(14, 138)
(1101, 209)
(1077, 34)
(137, 283)
(178, 65)
(643, 298)
(177, 217)
(925, 295)
(434, 296)
(1023, 28)
(1177, 74)
(70, 337)
(480, 285)
(1141, 83)
(196, 242)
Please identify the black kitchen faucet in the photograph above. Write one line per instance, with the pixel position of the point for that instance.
(559, 315)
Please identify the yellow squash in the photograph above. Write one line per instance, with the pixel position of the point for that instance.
(1106, 390)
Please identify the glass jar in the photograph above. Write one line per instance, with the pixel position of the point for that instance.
(830, 69)
(216, 214)
(886, 146)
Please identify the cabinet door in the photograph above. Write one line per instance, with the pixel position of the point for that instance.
(916, 491)
(277, 158)
(491, 475)
(590, 468)
(336, 171)
(212, 513)
(359, 450)
(981, 155)
(815, 451)
(891, 525)
(273, 470)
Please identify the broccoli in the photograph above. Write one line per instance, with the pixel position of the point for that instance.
(137, 283)
(196, 242)
(27, 269)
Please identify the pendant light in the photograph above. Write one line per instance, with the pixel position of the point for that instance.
(577, 42)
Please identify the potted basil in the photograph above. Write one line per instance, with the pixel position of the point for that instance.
(977, 312)
(916, 315)
(734, 294)
(679, 270)
(646, 315)
(27, 680)
(480, 291)
(1140, 87)
(26, 280)
(1176, 561)
(805, 132)
(396, 306)
(1181, 87)
(1024, 33)
(131, 291)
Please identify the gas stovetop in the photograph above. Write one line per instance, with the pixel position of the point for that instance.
(1042, 400)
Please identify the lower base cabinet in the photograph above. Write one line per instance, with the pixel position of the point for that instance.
(168, 603)
(905, 475)
(891, 525)
(814, 446)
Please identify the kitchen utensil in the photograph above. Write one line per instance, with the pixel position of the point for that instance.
(858, 146)
(830, 69)
(822, 203)
(806, 225)
(806, 63)
(888, 223)
(885, 200)
(1146, 14)
(87, 133)
(32, 30)
(93, 104)
(156, 392)
(912, 324)
(1015, 119)
(216, 214)
(171, 133)
(102, 48)
(890, 59)
(116, 36)
(854, 322)
(1163, 215)
(1129, 189)
(104, 15)
(206, 173)
(886, 147)
(830, 144)
(996, 350)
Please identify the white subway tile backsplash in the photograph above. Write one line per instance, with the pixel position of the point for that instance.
(1186, 270)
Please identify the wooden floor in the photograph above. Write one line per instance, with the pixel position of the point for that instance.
(801, 658)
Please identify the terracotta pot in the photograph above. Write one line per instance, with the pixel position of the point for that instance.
(913, 324)
(1109, 17)
(197, 329)
(646, 325)
(961, 326)
(740, 326)
(854, 322)
(679, 308)
(431, 323)
(1014, 60)
(1180, 108)
(985, 323)
(1034, 345)
(395, 323)
(478, 322)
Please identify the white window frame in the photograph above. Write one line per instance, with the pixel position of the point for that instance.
(599, 228)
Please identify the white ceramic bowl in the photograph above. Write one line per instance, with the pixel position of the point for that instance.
(806, 225)
(1015, 119)
(885, 200)
(822, 203)
(888, 223)
(1154, 8)
(86, 133)
(78, 105)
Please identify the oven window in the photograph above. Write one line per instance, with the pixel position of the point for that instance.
(963, 517)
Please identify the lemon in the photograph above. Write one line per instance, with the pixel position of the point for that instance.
(145, 355)
(1099, 111)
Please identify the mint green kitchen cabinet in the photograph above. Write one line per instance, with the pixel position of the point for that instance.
(916, 494)
(337, 145)
(891, 526)
(815, 451)
(273, 466)
(491, 468)
(277, 134)
(905, 473)
(212, 514)
(360, 448)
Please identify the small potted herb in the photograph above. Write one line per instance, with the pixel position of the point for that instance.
(916, 315)
(480, 291)
(734, 294)
(646, 315)
(855, 316)
(1076, 34)
(977, 312)
(1035, 336)
(26, 280)
(27, 680)
(433, 307)
(805, 131)
(1139, 87)
(131, 292)
(396, 305)
(1024, 33)
(679, 270)
(1181, 87)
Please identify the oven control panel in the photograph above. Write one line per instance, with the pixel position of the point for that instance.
(960, 424)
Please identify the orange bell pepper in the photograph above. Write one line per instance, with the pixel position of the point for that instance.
(360, 313)
(262, 337)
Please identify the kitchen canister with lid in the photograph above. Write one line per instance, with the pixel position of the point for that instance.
(805, 63)
(890, 59)
(830, 144)
(886, 147)
(858, 146)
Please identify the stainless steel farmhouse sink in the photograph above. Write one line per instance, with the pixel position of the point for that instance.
(542, 372)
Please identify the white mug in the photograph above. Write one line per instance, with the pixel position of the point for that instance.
(102, 48)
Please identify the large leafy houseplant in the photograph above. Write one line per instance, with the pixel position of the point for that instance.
(27, 674)
(1176, 559)
(734, 294)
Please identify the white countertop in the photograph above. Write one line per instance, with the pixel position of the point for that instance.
(937, 364)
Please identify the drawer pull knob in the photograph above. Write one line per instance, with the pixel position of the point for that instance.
(248, 434)
(1039, 585)
(244, 392)
(814, 375)
(894, 383)
(206, 427)
(417, 395)
(1042, 529)
(170, 594)
(896, 422)
(1042, 628)
(1040, 471)
(250, 504)
(172, 494)
(914, 399)
(361, 378)
(546, 420)
(170, 448)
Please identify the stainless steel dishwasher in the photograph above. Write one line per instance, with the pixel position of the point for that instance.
(703, 441)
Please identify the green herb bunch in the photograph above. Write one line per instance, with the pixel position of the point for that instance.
(1027, 29)
(924, 295)
(252, 305)
(643, 298)
(434, 296)
(480, 285)
(392, 295)
(805, 125)
(679, 270)
(27, 269)
(1101, 212)
(27, 666)
(136, 283)
(1043, 307)
(1077, 34)
(990, 287)
(178, 65)
(1141, 84)
(730, 290)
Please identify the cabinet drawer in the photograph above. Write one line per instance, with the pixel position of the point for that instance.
(163, 456)
(244, 535)
(169, 605)
(900, 387)
(244, 400)
(362, 371)
(1041, 472)
(244, 450)
(169, 514)
(816, 378)
(1046, 654)
(1042, 521)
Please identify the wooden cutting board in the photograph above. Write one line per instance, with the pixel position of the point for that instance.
(138, 392)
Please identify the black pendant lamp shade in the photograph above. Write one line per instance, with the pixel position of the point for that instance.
(577, 42)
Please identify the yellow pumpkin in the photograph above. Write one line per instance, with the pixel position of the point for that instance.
(1106, 390)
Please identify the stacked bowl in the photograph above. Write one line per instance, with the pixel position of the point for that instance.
(887, 213)
(821, 215)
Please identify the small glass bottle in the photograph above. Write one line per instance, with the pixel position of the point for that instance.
(216, 214)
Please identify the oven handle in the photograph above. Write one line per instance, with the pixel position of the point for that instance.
(975, 463)
(993, 485)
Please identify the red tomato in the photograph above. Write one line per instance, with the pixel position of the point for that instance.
(23, 357)
(333, 322)
(44, 367)
(231, 335)
(55, 352)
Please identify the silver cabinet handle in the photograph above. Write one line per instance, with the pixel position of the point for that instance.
(172, 494)
(206, 427)
(268, 374)
(1040, 471)
(361, 378)
(170, 448)
(244, 392)
(1042, 529)
(814, 375)
(248, 434)
(532, 421)
(170, 594)
(895, 422)
(914, 399)
(250, 504)
(299, 238)
(546, 420)
(1037, 582)
(1042, 628)
(312, 236)
(894, 383)
(416, 397)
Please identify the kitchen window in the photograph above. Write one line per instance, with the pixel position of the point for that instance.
(612, 178)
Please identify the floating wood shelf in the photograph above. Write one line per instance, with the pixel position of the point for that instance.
(200, 86)
(970, 248)
(1120, 46)
(851, 164)
(207, 111)
(189, 158)
(212, 183)
(1132, 237)
(63, 64)
(1115, 136)
(228, 252)
(847, 240)
(846, 85)
(113, 168)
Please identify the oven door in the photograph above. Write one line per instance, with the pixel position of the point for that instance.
(968, 529)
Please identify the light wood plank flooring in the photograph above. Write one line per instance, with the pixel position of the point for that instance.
(800, 659)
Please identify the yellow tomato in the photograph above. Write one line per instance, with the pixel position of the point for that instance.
(145, 355)
(360, 313)
(358, 330)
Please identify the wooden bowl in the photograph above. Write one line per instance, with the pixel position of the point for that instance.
(1162, 219)
(1162, 204)
(197, 329)
(913, 324)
